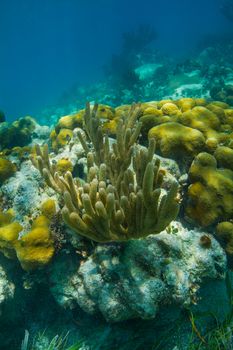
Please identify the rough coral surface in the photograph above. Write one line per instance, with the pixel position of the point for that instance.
(132, 280)
(210, 195)
(7, 288)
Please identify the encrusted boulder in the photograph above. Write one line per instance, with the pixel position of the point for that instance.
(132, 280)
(7, 288)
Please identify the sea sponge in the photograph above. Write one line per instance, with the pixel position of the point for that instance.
(175, 140)
(48, 208)
(36, 248)
(224, 232)
(210, 195)
(7, 169)
(63, 165)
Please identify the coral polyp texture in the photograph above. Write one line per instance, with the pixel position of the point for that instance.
(121, 198)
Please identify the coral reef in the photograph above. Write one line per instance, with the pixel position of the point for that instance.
(19, 133)
(210, 195)
(116, 203)
(134, 279)
(177, 141)
(91, 225)
(7, 169)
(7, 288)
(35, 248)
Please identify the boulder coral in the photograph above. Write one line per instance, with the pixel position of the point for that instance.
(18, 133)
(224, 157)
(7, 169)
(210, 194)
(175, 140)
(136, 278)
(224, 232)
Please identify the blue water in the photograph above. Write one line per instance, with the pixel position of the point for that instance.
(49, 46)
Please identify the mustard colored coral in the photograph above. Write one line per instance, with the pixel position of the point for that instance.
(36, 248)
(7, 169)
(64, 165)
(174, 140)
(210, 195)
(61, 139)
(48, 208)
(224, 231)
(9, 232)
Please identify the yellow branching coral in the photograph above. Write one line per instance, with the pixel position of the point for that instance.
(121, 198)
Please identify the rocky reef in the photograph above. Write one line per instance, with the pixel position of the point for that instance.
(121, 216)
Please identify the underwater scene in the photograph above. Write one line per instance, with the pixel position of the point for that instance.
(116, 175)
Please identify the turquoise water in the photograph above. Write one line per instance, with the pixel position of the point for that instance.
(50, 49)
(62, 289)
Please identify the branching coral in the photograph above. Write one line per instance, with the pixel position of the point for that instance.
(121, 198)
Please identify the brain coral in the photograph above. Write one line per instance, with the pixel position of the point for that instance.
(176, 140)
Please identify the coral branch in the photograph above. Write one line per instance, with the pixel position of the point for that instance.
(121, 198)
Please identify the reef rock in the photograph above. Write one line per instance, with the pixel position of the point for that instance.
(132, 280)
(7, 288)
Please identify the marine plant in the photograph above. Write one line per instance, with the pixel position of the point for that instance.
(121, 197)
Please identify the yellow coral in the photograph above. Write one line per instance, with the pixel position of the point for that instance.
(224, 231)
(224, 156)
(200, 118)
(64, 165)
(9, 232)
(36, 248)
(218, 111)
(200, 101)
(105, 112)
(7, 169)
(48, 208)
(176, 140)
(163, 102)
(153, 111)
(63, 138)
(170, 109)
(185, 104)
(210, 195)
(110, 126)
